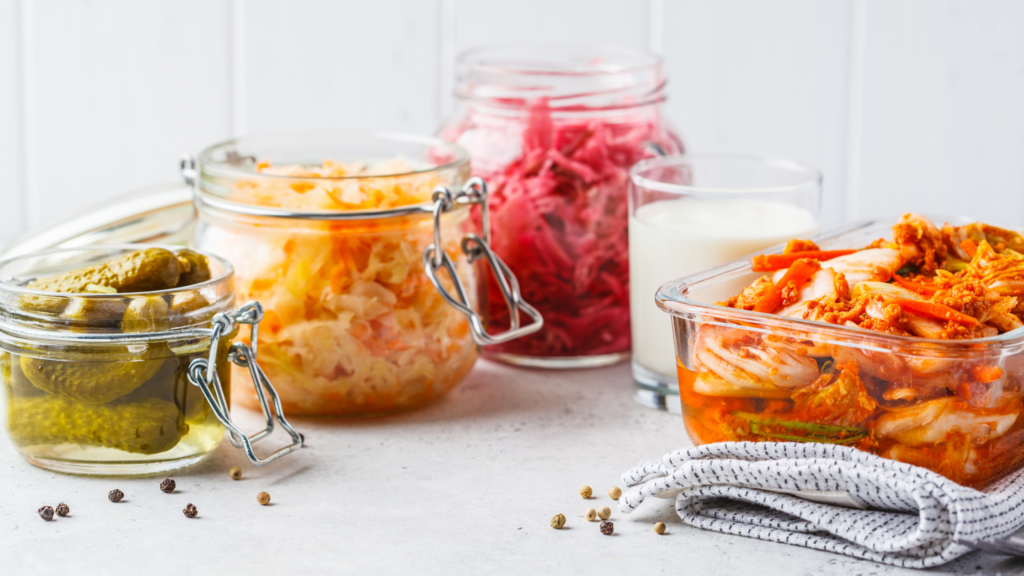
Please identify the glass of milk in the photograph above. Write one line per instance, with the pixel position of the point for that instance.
(691, 212)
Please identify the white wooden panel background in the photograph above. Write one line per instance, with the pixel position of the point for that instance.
(914, 104)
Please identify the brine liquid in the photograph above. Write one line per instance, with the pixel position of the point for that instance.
(673, 238)
(69, 424)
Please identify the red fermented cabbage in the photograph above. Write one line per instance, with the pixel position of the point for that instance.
(559, 215)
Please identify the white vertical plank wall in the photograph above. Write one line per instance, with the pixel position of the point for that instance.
(12, 198)
(768, 78)
(903, 105)
(113, 92)
(944, 109)
(323, 64)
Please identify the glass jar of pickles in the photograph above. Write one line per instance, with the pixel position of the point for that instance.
(106, 356)
(365, 260)
(555, 130)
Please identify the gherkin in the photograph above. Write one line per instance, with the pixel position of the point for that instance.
(187, 307)
(149, 426)
(142, 271)
(193, 267)
(146, 314)
(88, 382)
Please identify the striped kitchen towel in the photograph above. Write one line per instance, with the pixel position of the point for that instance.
(829, 497)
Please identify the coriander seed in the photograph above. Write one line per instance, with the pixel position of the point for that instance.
(591, 515)
(615, 493)
(604, 513)
(46, 513)
(607, 528)
(115, 495)
(236, 473)
(190, 511)
(586, 492)
(263, 498)
(659, 528)
(168, 485)
(558, 521)
(63, 510)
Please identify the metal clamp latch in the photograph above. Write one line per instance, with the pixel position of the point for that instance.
(242, 355)
(435, 258)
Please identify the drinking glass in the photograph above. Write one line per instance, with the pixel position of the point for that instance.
(691, 212)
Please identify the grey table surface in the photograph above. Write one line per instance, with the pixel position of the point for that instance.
(465, 486)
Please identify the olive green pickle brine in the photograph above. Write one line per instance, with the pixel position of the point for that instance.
(110, 406)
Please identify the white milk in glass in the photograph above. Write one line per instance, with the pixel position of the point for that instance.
(673, 238)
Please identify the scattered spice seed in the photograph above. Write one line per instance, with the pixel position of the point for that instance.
(604, 513)
(557, 521)
(63, 510)
(615, 493)
(586, 492)
(607, 528)
(591, 515)
(115, 495)
(236, 473)
(263, 498)
(46, 513)
(190, 511)
(168, 485)
(659, 528)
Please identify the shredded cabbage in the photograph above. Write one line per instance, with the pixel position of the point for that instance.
(558, 197)
(352, 324)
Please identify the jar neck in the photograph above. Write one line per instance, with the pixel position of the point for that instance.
(564, 80)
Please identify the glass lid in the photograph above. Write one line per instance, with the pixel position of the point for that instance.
(161, 214)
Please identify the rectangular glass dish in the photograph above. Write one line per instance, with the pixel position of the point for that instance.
(952, 406)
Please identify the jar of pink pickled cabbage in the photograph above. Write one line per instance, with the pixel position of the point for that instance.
(554, 131)
(336, 236)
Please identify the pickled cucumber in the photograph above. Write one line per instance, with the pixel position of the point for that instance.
(148, 426)
(146, 314)
(95, 312)
(184, 307)
(142, 271)
(15, 378)
(193, 267)
(88, 382)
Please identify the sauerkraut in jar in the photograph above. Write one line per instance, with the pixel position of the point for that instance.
(328, 232)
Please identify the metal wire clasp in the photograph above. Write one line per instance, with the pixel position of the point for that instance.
(436, 258)
(203, 373)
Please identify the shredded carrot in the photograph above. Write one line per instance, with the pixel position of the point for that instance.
(799, 246)
(936, 311)
(799, 273)
(969, 247)
(918, 287)
(771, 262)
(986, 374)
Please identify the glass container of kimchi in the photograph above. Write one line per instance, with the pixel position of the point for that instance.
(555, 130)
(335, 235)
(912, 349)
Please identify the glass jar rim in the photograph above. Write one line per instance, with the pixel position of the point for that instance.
(45, 319)
(207, 165)
(638, 173)
(519, 57)
(224, 168)
(569, 77)
(226, 273)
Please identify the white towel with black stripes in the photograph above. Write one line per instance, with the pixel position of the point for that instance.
(829, 497)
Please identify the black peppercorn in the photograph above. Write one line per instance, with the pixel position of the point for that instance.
(115, 495)
(168, 485)
(63, 510)
(607, 528)
(46, 513)
(190, 511)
